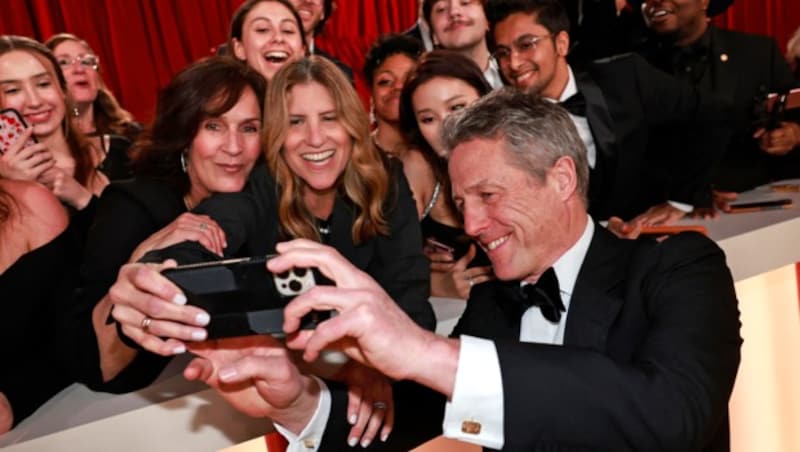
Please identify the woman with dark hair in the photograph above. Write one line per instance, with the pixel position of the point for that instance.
(37, 262)
(33, 84)
(386, 67)
(205, 139)
(267, 35)
(323, 180)
(443, 81)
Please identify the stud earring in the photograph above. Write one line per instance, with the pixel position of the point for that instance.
(75, 112)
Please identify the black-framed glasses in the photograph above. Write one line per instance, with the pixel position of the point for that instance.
(87, 60)
(522, 45)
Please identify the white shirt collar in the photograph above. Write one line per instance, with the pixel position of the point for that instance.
(569, 264)
(571, 87)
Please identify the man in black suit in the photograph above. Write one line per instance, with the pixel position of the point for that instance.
(738, 67)
(621, 106)
(420, 30)
(589, 341)
(314, 14)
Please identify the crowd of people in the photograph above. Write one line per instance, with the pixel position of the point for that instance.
(510, 157)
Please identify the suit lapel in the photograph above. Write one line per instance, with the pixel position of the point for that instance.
(597, 297)
(598, 116)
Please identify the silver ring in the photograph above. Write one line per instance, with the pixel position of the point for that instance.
(146, 324)
(203, 226)
(471, 281)
(379, 405)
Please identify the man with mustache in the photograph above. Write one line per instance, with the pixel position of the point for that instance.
(314, 14)
(622, 107)
(738, 67)
(460, 25)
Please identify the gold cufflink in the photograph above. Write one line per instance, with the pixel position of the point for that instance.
(471, 427)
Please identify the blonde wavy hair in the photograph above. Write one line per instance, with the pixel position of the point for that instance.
(364, 183)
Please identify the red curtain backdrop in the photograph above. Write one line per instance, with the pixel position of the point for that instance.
(143, 43)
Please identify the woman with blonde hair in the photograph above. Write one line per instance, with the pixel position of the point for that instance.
(325, 181)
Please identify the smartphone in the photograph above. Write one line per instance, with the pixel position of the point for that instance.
(243, 297)
(757, 206)
(660, 231)
(11, 127)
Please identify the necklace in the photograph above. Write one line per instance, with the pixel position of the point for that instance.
(187, 201)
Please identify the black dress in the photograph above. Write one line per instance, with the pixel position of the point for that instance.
(35, 292)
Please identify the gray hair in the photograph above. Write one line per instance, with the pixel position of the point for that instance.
(536, 132)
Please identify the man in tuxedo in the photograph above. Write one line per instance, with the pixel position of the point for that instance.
(314, 14)
(738, 67)
(460, 26)
(586, 342)
(621, 107)
(420, 30)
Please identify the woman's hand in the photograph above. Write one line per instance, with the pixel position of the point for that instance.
(256, 375)
(370, 403)
(152, 311)
(464, 278)
(66, 188)
(188, 226)
(20, 162)
(6, 414)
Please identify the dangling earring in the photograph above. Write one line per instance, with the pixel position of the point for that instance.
(75, 112)
(371, 111)
(183, 161)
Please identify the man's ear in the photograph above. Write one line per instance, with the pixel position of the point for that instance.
(238, 49)
(562, 43)
(564, 177)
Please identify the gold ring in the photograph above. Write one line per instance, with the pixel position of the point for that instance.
(379, 405)
(146, 324)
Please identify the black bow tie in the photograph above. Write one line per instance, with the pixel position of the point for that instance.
(575, 104)
(546, 295)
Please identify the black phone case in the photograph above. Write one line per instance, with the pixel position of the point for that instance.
(242, 296)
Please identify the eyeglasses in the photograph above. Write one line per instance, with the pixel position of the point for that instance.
(88, 61)
(522, 45)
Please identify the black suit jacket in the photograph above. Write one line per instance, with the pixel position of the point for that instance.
(650, 354)
(741, 69)
(630, 105)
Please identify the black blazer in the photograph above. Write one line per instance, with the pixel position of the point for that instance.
(630, 106)
(650, 354)
(741, 69)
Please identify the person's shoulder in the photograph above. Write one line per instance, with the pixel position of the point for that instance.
(740, 38)
(687, 248)
(38, 213)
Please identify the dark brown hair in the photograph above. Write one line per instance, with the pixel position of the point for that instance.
(80, 149)
(207, 88)
(435, 64)
(385, 46)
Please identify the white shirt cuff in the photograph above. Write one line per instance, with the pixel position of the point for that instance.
(308, 440)
(477, 401)
(682, 206)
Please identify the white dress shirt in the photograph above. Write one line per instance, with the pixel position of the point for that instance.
(478, 379)
(492, 74)
(478, 389)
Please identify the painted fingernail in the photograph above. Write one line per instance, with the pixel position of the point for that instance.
(199, 335)
(179, 299)
(384, 437)
(179, 350)
(352, 419)
(202, 319)
(352, 442)
(365, 443)
(226, 374)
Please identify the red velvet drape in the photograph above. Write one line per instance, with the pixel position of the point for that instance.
(142, 43)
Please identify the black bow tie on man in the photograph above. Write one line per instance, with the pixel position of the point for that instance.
(575, 105)
(546, 295)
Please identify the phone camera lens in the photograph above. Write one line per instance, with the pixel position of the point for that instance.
(283, 275)
(300, 272)
(295, 285)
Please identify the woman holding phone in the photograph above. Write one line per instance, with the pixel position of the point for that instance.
(443, 82)
(323, 180)
(62, 159)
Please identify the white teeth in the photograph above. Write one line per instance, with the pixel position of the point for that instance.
(659, 13)
(276, 55)
(495, 243)
(318, 157)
